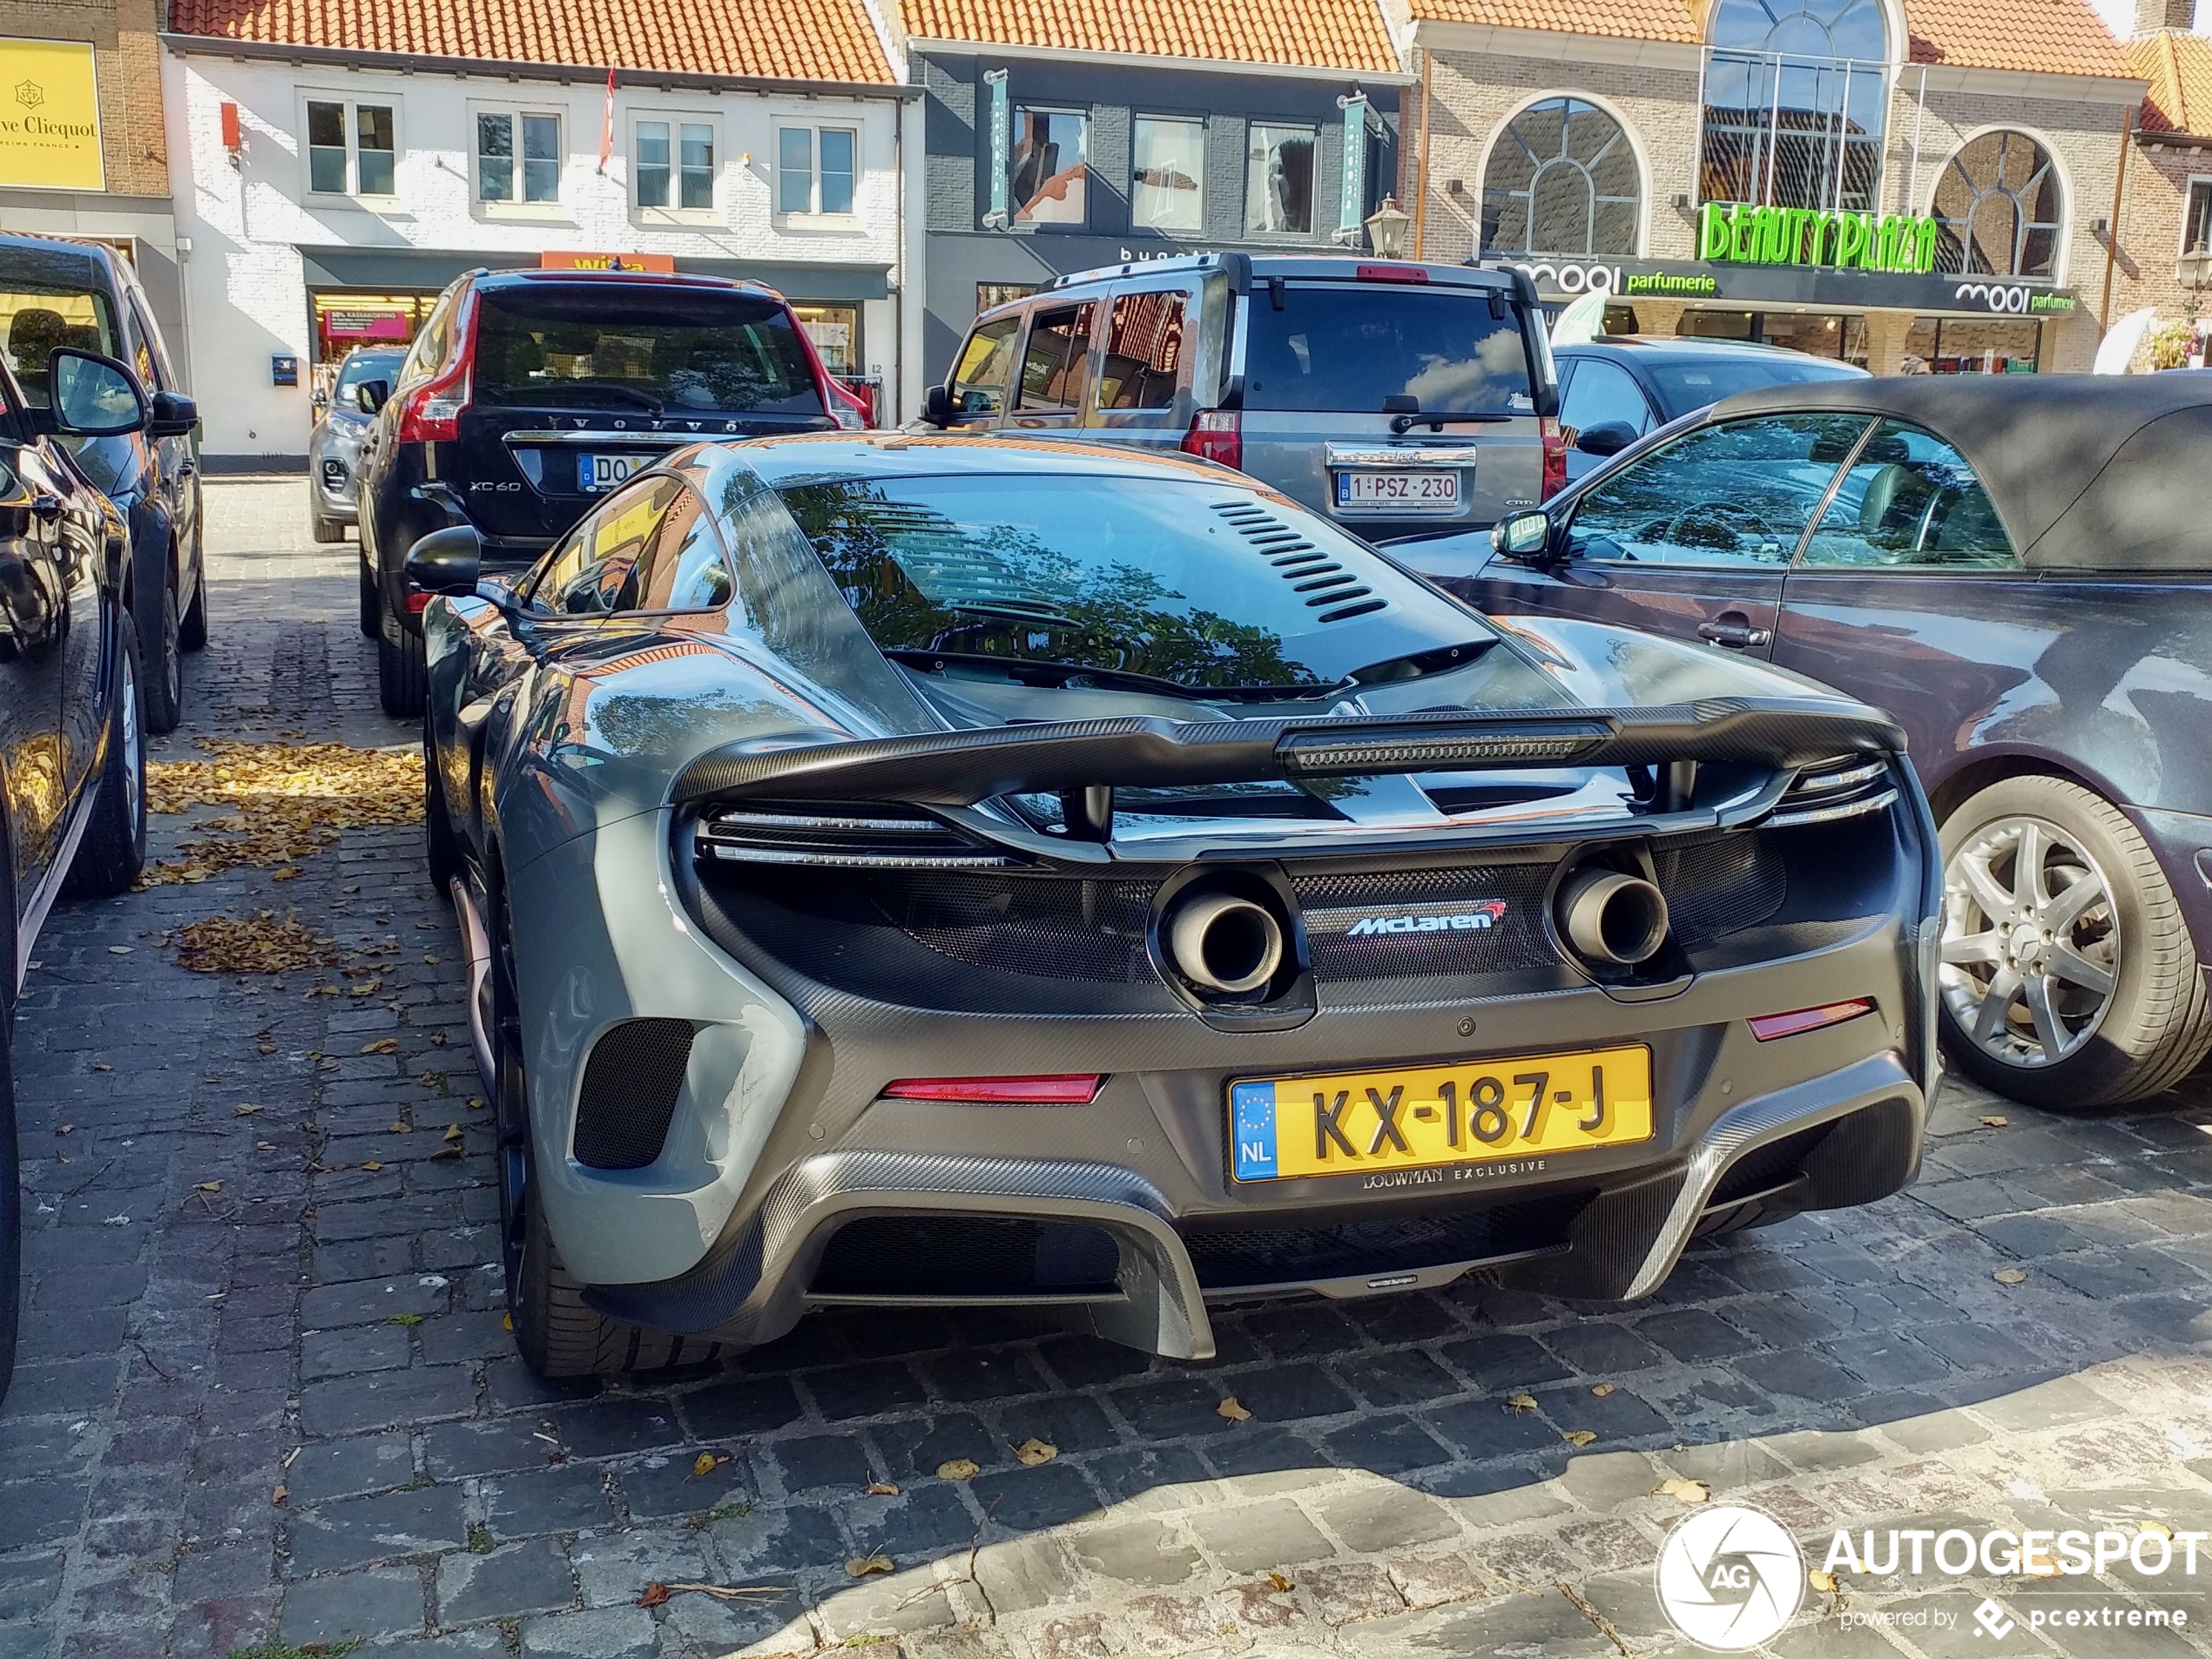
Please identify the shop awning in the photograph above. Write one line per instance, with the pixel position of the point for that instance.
(384, 268)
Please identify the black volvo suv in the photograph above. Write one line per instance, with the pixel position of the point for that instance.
(529, 394)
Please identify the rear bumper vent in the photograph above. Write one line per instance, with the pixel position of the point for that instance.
(631, 1082)
(921, 1258)
(864, 837)
(1834, 790)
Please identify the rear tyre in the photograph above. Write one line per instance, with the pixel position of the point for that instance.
(399, 675)
(114, 848)
(192, 633)
(161, 668)
(440, 849)
(372, 603)
(2068, 980)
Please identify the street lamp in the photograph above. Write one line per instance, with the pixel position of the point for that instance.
(1386, 228)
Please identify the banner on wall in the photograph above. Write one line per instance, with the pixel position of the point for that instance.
(1002, 149)
(49, 116)
(1352, 200)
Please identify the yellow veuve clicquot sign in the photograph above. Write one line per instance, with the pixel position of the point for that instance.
(49, 116)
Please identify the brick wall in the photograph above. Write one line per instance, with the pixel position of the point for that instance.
(2150, 229)
(127, 66)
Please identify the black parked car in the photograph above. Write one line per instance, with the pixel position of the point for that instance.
(86, 297)
(528, 394)
(334, 448)
(1613, 391)
(73, 811)
(2021, 570)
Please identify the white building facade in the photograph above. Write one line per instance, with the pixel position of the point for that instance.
(324, 198)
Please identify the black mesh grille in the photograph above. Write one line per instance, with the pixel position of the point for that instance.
(1047, 925)
(1386, 923)
(631, 1082)
(1227, 1258)
(910, 1256)
(1721, 886)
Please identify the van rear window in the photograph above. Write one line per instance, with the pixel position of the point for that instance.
(1343, 349)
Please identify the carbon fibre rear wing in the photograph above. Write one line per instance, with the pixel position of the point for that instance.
(961, 768)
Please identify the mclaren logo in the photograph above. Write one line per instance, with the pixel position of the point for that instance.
(1474, 918)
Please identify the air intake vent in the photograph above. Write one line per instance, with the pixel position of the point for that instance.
(630, 1088)
(858, 837)
(1327, 586)
(1833, 790)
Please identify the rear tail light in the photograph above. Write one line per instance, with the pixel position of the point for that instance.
(1554, 457)
(1390, 274)
(1216, 434)
(999, 1091)
(430, 413)
(417, 602)
(1767, 1026)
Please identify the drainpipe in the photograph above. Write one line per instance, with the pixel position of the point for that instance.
(2111, 230)
(1420, 175)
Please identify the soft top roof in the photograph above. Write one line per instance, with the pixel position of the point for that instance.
(2086, 471)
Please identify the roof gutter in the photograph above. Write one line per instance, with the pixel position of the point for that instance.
(1154, 60)
(504, 69)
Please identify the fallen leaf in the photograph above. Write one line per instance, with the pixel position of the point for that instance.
(119, 950)
(1521, 1403)
(1578, 1436)
(1824, 1582)
(453, 1131)
(1682, 1491)
(959, 1468)
(1031, 1453)
(280, 1495)
(265, 1146)
(862, 1566)
(881, 1490)
(66, 1128)
(655, 1593)
(2010, 1276)
(450, 1153)
(1602, 1390)
(506, 1321)
(382, 1045)
(395, 1129)
(706, 1463)
(372, 1166)
(1279, 1582)
(1996, 1120)
(102, 1065)
(209, 1186)
(244, 1111)
(2155, 1528)
(1234, 1413)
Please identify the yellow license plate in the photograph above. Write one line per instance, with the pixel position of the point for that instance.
(1438, 1118)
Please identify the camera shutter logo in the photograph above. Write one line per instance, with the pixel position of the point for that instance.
(1730, 1577)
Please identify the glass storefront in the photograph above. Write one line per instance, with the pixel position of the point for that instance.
(1973, 345)
(1820, 333)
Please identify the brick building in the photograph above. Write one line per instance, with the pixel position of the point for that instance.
(2166, 218)
(83, 150)
(1907, 183)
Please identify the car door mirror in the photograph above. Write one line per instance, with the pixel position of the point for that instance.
(447, 561)
(937, 405)
(1524, 537)
(174, 415)
(93, 396)
(1605, 438)
(372, 396)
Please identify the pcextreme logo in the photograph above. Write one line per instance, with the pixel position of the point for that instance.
(1730, 1577)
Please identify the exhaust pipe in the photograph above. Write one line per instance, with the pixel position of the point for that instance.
(1225, 944)
(1609, 917)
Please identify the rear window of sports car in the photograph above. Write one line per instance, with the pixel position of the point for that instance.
(1179, 582)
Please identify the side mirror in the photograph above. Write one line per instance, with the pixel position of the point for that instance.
(373, 396)
(937, 405)
(1525, 537)
(1605, 438)
(174, 415)
(447, 561)
(93, 396)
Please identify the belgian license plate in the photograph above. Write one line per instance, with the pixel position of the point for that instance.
(1431, 490)
(1449, 1119)
(596, 473)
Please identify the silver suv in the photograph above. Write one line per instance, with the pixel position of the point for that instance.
(1398, 398)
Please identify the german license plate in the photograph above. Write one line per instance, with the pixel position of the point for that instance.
(596, 473)
(1452, 1119)
(1431, 490)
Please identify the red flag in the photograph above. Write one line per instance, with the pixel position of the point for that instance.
(607, 123)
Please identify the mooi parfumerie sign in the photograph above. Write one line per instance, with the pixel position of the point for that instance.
(1738, 234)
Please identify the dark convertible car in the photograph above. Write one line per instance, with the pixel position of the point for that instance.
(2021, 570)
(947, 870)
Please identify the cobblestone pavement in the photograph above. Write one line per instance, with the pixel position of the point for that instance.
(188, 1351)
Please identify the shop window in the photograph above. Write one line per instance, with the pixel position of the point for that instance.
(815, 168)
(1053, 364)
(1278, 180)
(1973, 345)
(518, 157)
(2196, 218)
(352, 149)
(1560, 178)
(1167, 184)
(988, 295)
(1998, 209)
(835, 331)
(675, 164)
(1910, 500)
(1143, 352)
(1796, 95)
(1051, 175)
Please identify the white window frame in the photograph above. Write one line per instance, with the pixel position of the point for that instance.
(676, 120)
(2188, 190)
(1206, 136)
(351, 103)
(515, 206)
(1313, 232)
(813, 212)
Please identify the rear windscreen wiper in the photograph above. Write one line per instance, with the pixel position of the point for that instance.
(635, 395)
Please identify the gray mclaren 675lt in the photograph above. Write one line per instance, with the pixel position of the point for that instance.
(904, 869)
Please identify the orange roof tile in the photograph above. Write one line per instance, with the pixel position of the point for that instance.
(2178, 65)
(2045, 37)
(1302, 34)
(830, 40)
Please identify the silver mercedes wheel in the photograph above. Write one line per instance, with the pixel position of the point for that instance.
(2031, 942)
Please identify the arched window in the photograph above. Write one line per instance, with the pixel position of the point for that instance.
(1998, 209)
(1562, 179)
(1794, 96)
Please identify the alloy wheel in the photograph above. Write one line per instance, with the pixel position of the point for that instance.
(2031, 942)
(134, 753)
